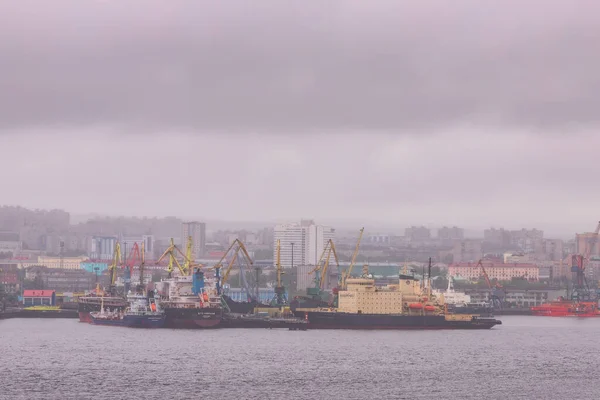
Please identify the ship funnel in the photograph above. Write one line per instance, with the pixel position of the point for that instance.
(197, 281)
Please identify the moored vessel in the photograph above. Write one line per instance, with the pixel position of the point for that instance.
(405, 305)
(142, 312)
(188, 304)
(93, 303)
(567, 308)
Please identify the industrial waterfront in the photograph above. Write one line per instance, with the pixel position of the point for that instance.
(528, 357)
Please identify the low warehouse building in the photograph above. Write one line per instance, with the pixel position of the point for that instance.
(39, 298)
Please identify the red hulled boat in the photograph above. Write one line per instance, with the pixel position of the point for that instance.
(567, 308)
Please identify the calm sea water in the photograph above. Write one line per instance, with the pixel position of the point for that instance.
(526, 357)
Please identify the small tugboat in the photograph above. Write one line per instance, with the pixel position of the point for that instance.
(91, 303)
(142, 312)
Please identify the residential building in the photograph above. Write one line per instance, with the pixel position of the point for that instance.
(9, 277)
(292, 241)
(500, 271)
(317, 238)
(197, 230)
(378, 238)
(467, 250)
(303, 242)
(497, 237)
(417, 233)
(528, 240)
(561, 269)
(453, 233)
(553, 249)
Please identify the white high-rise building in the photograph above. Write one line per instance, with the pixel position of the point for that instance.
(318, 236)
(304, 242)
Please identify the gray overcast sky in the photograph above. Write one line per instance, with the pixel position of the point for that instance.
(438, 112)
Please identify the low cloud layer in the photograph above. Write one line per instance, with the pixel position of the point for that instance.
(297, 66)
(388, 113)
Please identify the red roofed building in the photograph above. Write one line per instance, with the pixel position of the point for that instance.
(39, 298)
(495, 270)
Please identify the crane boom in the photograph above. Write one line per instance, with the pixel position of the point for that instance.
(280, 297)
(170, 251)
(142, 265)
(323, 264)
(113, 268)
(278, 263)
(354, 255)
(325, 267)
(485, 275)
(236, 253)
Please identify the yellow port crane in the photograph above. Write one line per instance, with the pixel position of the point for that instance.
(235, 249)
(172, 251)
(141, 286)
(279, 289)
(324, 259)
(113, 269)
(348, 272)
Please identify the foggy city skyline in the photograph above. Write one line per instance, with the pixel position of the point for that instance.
(338, 199)
(382, 114)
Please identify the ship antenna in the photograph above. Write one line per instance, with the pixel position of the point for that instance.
(429, 278)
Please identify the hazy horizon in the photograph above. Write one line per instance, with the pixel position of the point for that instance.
(388, 113)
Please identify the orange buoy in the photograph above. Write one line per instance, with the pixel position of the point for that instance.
(416, 306)
(429, 308)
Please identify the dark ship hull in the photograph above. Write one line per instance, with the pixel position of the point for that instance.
(252, 321)
(340, 320)
(192, 317)
(89, 304)
(244, 307)
(307, 302)
(132, 321)
(472, 309)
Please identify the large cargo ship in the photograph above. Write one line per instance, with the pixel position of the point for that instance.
(93, 303)
(141, 313)
(405, 305)
(188, 304)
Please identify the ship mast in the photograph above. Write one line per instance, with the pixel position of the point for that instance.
(429, 280)
(142, 262)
